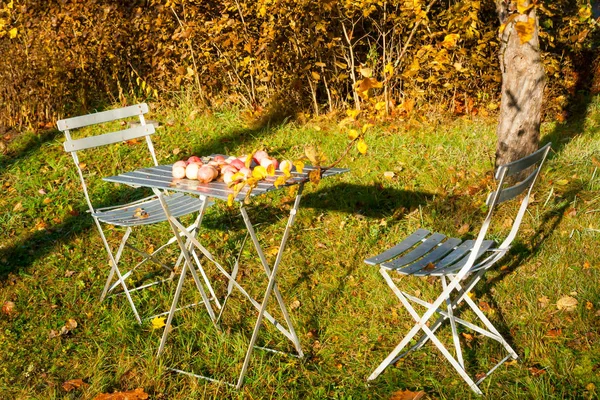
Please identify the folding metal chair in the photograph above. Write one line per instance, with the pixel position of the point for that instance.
(145, 211)
(459, 265)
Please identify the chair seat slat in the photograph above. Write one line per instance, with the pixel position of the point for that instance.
(449, 270)
(424, 248)
(430, 259)
(399, 248)
(179, 205)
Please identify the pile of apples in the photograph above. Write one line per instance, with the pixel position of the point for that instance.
(229, 169)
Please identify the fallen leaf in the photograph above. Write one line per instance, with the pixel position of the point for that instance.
(389, 175)
(41, 191)
(554, 332)
(71, 324)
(567, 303)
(137, 394)
(429, 267)
(73, 384)
(468, 337)
(586, 265)
(407, 395)
(484, 306)
(543, 301)
(536, 371)
(18, 207)
(589, 306)
(158, 322)
(8, 308)
(464, 229)
(295, 304)
(562, 182)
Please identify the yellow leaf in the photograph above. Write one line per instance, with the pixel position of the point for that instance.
(585, 12)
(389, 69)
(525, 30)
(280, 181)
(320, 64)
(562, 182)
(352, 134)
(366, 72)
(249, 159)
(450, 40)
(352, 113)
(259, 172)
(311, 153)
(523, 6)
(271, 169)
(315, 176)
(12, 33)
(365, 127)
(341, 65)
(315, 75)
(299, 166)
(362, 146)
(230, 200)
(10, 4)
(158, 322)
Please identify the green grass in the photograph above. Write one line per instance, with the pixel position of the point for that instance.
(52, 266)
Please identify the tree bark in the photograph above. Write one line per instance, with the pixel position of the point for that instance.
(523, 81)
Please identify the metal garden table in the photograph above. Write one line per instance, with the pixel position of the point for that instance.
(160, 180)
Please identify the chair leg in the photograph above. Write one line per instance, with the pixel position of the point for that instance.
(455, 337)
(115, 269)
(114, 260)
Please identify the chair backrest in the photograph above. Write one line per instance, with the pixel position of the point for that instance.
(72, 146)
(506, 192)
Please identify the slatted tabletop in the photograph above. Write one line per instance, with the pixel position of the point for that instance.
(160, 177)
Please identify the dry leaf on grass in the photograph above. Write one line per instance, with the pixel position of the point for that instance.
(567, 303)
(554, 332)
(73, 384)
(543, 301)
(137, 394)
(8, 308)
(407, 395)
(70, 325)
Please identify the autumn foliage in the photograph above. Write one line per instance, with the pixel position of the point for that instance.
(65, 57)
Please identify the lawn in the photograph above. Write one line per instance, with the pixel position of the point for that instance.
(53, 266)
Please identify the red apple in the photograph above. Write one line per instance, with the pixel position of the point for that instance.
(260, 155)
(195, 159)
(239, 164)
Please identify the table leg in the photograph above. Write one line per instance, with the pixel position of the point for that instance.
(187, 264)
(271, 285)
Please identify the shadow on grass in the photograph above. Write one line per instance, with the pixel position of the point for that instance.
(372, 201)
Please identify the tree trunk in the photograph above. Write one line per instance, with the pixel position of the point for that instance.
(523, 81)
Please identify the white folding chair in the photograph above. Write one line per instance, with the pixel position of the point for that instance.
(145, 211)
(459, 265)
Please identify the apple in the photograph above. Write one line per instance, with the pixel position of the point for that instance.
(245, 172)
(207, 173)
(195, 159)
(239, 164)
(227, 176)
(219, 158)
(259, 156)
(178, 169)
(265, 162)
(228, 167)
(191, 171)
(286, 165)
